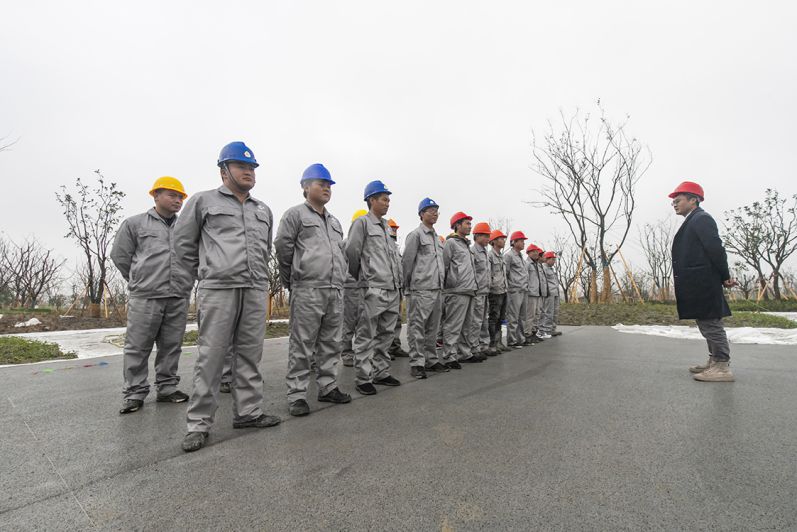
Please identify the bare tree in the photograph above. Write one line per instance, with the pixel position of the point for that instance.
(6, 296)
(32, 269)
(746, 280)
(92, 215)
(656, 242)
(591, 168)
(566, 263)
(503, 223)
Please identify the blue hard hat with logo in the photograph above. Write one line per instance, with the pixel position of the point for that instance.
(427, 203)
(375, 187)
(237, 151)
(317, 171)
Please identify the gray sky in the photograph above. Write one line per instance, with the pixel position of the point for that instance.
(436, 99)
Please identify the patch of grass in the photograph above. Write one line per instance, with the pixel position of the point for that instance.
(764, 305)
(20, 310)
(656, 314)
(15, 350)
(274, 330)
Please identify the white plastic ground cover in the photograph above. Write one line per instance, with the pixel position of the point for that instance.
(736, 335)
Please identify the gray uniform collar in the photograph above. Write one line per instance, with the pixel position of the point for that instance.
(227, 192)
(326, 212)
(152, 212)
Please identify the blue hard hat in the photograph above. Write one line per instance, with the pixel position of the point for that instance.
(375, 187)
(426, 203)
(317, 171)
(237, 151)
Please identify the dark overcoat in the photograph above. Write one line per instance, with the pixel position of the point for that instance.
(699, 265)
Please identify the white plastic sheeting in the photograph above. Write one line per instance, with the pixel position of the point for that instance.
(30, 323)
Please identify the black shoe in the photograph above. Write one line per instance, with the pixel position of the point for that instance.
(131, 405)
(491, 352)
(453, 365)
(176, 397)
(556, 333)
(418, 372)
(535, 339)
(473, 359)
(388, 381)
(348, 360)
(261, 422)
(225, 387)
(194, 441)
(399, 353)
(528, 342)
(366, 388)
(437, 366)
(299, 408)
(334, 396)
(480, 356)
(515, 346)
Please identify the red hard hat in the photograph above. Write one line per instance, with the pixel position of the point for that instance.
(458, 217)
(481, 228)
(497, 233)
(549, 255)
(532, 247)
(688, 187)
(517, 235)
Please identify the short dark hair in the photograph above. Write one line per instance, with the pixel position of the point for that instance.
(695, 197)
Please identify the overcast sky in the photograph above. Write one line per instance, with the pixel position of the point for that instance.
(436, 99)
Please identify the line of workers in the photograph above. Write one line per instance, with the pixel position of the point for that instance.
(345, 293)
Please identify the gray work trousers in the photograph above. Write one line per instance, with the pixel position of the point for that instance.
(714, 333)
(316, 322)
(479, 337)
(226, 374)
(375, 329)
(515, 317)
(153, 321)
(424, 309)
(456, 327)
(230, 317)
(549, 314)
(533, 312)
(352, 301)
(396, 343)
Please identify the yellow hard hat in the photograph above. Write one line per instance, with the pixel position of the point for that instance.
(357, 214)
(169, 183)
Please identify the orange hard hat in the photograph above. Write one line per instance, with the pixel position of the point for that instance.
(497, 233)
(392, 223)
(533, 247)
(442, 239)
(517, 235)
(481, 228)
(549, 255)
(688, 187)
(458, 217)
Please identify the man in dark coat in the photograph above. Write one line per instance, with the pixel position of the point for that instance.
(700, 268)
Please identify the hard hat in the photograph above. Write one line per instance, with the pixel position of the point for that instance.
(688, 187)
(517, 235)
(375, 187)
(168, 183)
(458, 217)
(427, 203)
(481, 228)
(533, 247)
(237, 151)
(316, 171)
(392, 223)
(497, 233)
(549, 255)
(357, 214)
(442, 239)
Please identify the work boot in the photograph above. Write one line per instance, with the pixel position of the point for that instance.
(473, 359)
(194, 441)
(261, 422)
(528, 341)
(348, 359)
(366, 388)
(480, 356)
(453, 365)
(700, 368)
(176, 397)
(717, 372)
(388, 381)
(131, 405)
(438, 367)
(399, 353)
(299, 408)
(334, 396)
(502, 347)
(491, 351)
(418, 372)
(225, 387)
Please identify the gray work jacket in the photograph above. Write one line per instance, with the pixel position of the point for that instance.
(372, 254)
(422, 262)
(144, 254)
(223, 242)
(459, 267)
(481, 266)
(543, 280)
(517, 276)
(552, 280)
(534, 278)
(309, 249)
(497, 272)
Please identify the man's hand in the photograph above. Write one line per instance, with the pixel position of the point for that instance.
(730, 283)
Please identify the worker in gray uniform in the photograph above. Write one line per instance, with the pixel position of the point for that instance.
(534, 303)
(517, 281)
(496, 299)
(374, 263)
(459, 290)
(352, 304)
(312, 265)
(158, 304)
(396, 351)
(550, 306)
(424, 270)
(224, 239)
(481, 263)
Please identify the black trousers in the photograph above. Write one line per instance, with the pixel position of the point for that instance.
(497, 314)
